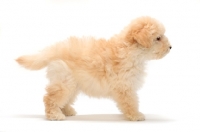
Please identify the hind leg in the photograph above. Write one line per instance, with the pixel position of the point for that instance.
(68, 110)
(54, 100)
(60, 91)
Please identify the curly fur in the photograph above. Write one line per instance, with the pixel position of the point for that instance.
(112, 68)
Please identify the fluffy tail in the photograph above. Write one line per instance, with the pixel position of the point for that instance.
(41, 60)
(32, 62)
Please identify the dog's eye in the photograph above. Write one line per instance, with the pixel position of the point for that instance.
(158, 38)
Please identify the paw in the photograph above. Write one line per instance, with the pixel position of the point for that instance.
(55, 116)
(136, 117)
(69, 111)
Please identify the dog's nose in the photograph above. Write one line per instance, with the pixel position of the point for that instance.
(170, 47)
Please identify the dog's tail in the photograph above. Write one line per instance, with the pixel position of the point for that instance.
(42, 59)
(33, 62)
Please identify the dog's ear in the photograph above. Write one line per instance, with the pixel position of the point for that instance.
(141, 35)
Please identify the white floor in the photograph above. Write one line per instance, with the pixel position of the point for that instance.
(97, 122)
(169, 99)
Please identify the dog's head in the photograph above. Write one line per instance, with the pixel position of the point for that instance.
(148, 34)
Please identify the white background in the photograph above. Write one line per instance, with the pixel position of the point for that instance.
(170, 98)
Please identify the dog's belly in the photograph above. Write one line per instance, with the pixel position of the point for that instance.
(91, 86)
(103, 88)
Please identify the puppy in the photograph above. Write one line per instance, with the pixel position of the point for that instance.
(112, 68)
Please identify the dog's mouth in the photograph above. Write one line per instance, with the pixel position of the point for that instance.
(160, 55)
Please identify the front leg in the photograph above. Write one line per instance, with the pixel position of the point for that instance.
(127, 102)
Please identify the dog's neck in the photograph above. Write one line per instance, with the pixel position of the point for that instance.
(127, 54)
